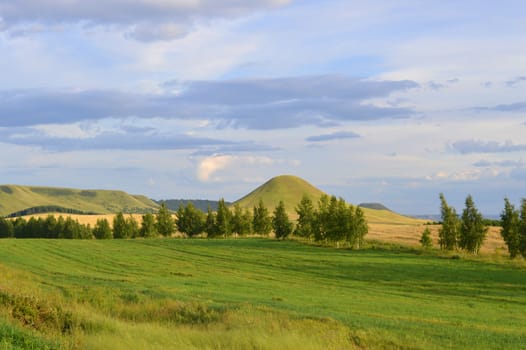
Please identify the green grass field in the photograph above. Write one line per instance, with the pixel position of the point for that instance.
(253, 294)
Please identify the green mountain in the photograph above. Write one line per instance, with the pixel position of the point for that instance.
(290, 189)
(287, 188)
(14, 198)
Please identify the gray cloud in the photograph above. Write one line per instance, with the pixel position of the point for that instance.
(252, 104)
(115, 141)
(479, 146)
(512, 107)
(435, 86)
(334, 136)
(502, 163)
(146, 20)
(515, 81)
(128, 138)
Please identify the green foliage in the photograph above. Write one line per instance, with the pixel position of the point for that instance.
(48, 209)
(472, 229)
(50, 227)
(449, 232)
(190, 220)
(425, 239)
(510, 228)
(280, 222)
(19, 227)
(241, 221)
(211, 223)
(148, 227)
(132, 227)
(306, 218)
(165, 223)
(6, 228)
(262, 222)
(522, 229)
(120, 229)
(335, 221)
(223, 220)
(102, 229)
(360, 228)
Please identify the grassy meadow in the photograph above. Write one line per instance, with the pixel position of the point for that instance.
(253, 294)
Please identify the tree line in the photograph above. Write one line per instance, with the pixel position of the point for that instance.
(123, 227)
(468, 231)
(48, 209)
(332, 221)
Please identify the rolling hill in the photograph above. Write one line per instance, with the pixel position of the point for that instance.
(290, 189)
(14, 198)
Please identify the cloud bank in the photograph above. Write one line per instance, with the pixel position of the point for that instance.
(144, 20)
(480, 146)
(253, 104)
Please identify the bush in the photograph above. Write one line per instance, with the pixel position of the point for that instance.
(425, 239)
(37, 314)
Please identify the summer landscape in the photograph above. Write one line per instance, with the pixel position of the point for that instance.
(263, 174)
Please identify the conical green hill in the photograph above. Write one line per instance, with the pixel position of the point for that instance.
(287, 188)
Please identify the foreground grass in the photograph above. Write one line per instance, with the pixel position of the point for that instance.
(256, 293)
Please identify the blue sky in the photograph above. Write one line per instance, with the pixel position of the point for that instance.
(384, 101)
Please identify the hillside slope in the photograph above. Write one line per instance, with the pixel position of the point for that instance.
(15, 198)
(290, 189)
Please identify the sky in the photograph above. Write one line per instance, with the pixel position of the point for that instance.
(390, 101)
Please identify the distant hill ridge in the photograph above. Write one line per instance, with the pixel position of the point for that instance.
(201, 204)
(376, 206)
(16, 198)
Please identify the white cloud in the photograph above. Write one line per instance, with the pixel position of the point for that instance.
(209, 166)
